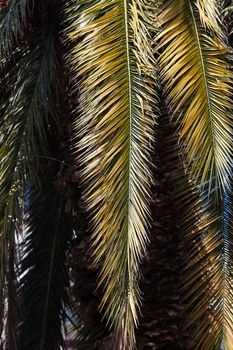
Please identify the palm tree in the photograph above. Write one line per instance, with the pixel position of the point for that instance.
(116, 174)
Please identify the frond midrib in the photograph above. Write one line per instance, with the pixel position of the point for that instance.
(125, 2)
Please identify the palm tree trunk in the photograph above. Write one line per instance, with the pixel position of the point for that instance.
(162, 323)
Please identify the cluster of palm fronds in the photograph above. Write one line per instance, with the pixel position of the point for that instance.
(87, 73)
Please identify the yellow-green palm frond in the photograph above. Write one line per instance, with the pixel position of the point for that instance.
(198, 87)
(205, 292)
(203, 299)
(209, 281)
(112, 61)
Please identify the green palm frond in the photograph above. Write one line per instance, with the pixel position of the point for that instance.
(112, 61)
(44, 272)
(10, 205)
(10, 174)
(198, 86)
(13, 17)
(33, 82)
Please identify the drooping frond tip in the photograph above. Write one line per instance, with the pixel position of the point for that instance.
(113, 63)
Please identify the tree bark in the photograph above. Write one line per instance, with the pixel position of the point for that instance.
(162, 324)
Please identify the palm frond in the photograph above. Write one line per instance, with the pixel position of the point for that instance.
(112, 62)
(13, 18)
(188, 211)
(209, 279)
(207, 231)
(44, 274)
(198, 88)
(30, 102)
(202, 263)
